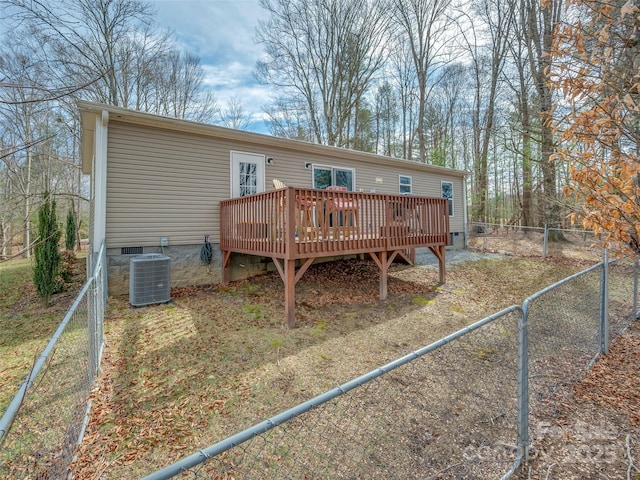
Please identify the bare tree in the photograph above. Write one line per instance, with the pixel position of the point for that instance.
(289, 118)
(234, 115)
(86, 34)
(488, 56)
(22, 114)
(386, 118)
(427, 29)
(178, 81)
(323, 53)
(451, 94)
(405, 78)
(112, 40)
(521, 83)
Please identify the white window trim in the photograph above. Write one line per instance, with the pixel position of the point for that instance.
(452, 209)
(262, 181)
(410, 185)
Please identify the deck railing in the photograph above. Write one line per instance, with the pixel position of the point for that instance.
(301, 223)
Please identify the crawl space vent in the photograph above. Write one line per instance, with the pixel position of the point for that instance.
(149, 279)
(131, 250)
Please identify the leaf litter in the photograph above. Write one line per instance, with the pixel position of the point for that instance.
(176, 378)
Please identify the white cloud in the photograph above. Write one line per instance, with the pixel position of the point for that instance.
(221, 33)
(229, 75)
(214, 29)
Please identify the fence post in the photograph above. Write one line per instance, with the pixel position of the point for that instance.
(92, 312)
(523, 384)
(604, 305)
(485, 234)
(546, 239)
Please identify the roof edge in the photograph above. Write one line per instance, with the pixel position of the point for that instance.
(148, 119)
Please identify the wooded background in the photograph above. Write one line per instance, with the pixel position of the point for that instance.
(538, 101)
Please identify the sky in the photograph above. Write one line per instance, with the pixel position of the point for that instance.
(221, 33)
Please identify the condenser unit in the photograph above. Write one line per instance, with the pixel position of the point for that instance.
(149, 279)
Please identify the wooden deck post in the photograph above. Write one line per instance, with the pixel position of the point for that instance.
(226, 267)
(384, 269)
(290, 292)
(383, 260)
(287, 271)
(439, 252)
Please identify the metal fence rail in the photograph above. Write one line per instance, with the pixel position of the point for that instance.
(40, 429)
(459, 408)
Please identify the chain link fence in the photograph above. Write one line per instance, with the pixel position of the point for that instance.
(459, 408)
(41, 428)
(623, 294)
(533, 241)
(564, 337)
(435, 413)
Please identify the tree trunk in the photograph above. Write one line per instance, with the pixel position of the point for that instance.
(527, 180)
(539, 32)
(26, 236)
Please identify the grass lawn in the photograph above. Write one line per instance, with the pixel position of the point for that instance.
(179, 377)
(25, 325)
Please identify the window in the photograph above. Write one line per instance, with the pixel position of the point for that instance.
(405, 185)
(248, 178)
(321, 177)
(324, 177)
(447, 192)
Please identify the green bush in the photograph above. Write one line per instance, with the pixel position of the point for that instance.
(46, 267)
(70, 231)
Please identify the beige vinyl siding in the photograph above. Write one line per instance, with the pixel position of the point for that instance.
(163, 184)
(168, 183)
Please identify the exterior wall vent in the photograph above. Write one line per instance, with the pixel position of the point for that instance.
(131, 250)
(149, 279)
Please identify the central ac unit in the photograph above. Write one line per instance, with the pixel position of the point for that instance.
(149, 279)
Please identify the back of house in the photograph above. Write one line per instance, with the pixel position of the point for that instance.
(157, 183)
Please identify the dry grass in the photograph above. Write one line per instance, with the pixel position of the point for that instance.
(182, 376)
(26, 325)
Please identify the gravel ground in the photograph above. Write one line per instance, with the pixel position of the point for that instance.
(453, 256)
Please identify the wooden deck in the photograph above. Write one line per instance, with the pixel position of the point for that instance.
(293, 225)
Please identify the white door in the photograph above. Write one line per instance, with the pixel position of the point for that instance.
(247, 174)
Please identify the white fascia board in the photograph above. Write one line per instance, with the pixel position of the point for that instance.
(100, 179)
